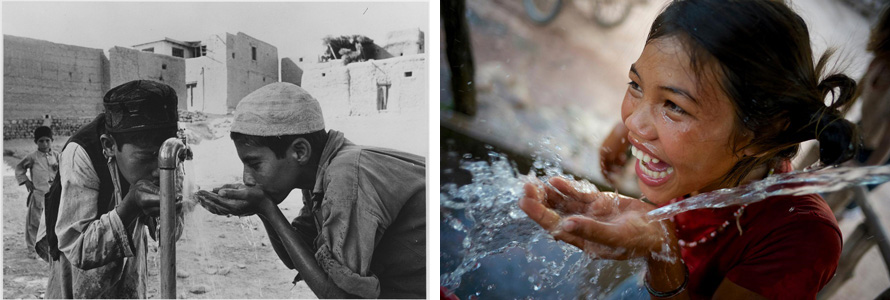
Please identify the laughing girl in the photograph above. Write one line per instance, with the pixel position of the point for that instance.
(722, 95)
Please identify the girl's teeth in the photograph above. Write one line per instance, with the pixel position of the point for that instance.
(655, 160)
(646, 158)
(654, 174)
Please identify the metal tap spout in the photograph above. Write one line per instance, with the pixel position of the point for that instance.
(172, 152)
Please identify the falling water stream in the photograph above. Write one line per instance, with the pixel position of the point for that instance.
(491, 248)
(203, 269)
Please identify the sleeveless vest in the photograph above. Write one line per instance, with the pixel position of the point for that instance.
(88, 138)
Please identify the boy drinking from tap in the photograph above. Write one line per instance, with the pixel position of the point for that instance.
(361, 231)
(43, 165)
(106, 195)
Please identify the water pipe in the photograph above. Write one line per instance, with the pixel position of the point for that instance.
(172, 152)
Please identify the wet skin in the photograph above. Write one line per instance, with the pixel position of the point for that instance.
(682, 119)
(686, 122)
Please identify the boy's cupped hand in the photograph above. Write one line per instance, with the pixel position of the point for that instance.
(232, 199)
(145, 194)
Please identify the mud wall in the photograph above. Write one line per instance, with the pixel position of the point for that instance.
(291, 72)
(328, 82)
(246, 74)
(354, 90)
(44, 78)
(130, 64)
(209, 76)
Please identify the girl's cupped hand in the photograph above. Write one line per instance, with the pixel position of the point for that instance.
(605, 224)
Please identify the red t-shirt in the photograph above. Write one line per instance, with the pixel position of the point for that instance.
(789, 247)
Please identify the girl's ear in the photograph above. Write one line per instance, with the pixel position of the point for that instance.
(746, 138)
(109, 146)
(302, 150)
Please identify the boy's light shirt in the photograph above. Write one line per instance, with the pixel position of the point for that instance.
(97, 247)
(42, 169)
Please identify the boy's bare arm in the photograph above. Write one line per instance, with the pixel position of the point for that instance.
(277, 245)
(285, 238)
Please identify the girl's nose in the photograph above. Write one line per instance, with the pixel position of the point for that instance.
(640, 123)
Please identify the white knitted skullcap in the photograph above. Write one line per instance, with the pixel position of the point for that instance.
(279, 108)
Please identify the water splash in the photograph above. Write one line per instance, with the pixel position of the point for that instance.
(491, 248)
(824, 180)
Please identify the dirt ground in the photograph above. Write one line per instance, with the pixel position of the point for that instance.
(225, 257)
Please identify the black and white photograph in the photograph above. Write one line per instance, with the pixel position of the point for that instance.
(215, 149)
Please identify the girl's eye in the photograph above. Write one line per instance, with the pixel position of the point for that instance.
(674, 107)
(633, 85)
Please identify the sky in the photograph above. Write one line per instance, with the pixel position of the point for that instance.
(295, 28)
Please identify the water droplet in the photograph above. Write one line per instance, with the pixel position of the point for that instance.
(791, 209)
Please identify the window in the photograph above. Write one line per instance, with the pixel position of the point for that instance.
(178, 52)
(322, 74)
(152, 50)
(382, 96)
(253, 52)
(408, 74)
(163, 66)
(233, 55)
(301, 59)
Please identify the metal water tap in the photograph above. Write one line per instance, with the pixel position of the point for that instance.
(173, 151)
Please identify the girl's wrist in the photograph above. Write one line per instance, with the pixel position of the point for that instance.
(667, 274)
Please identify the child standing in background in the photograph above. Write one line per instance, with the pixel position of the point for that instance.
(43, 165)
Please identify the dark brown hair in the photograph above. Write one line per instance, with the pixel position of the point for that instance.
(762, 51)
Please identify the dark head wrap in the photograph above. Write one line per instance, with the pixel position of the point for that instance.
(140, 105)
(42, 131)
